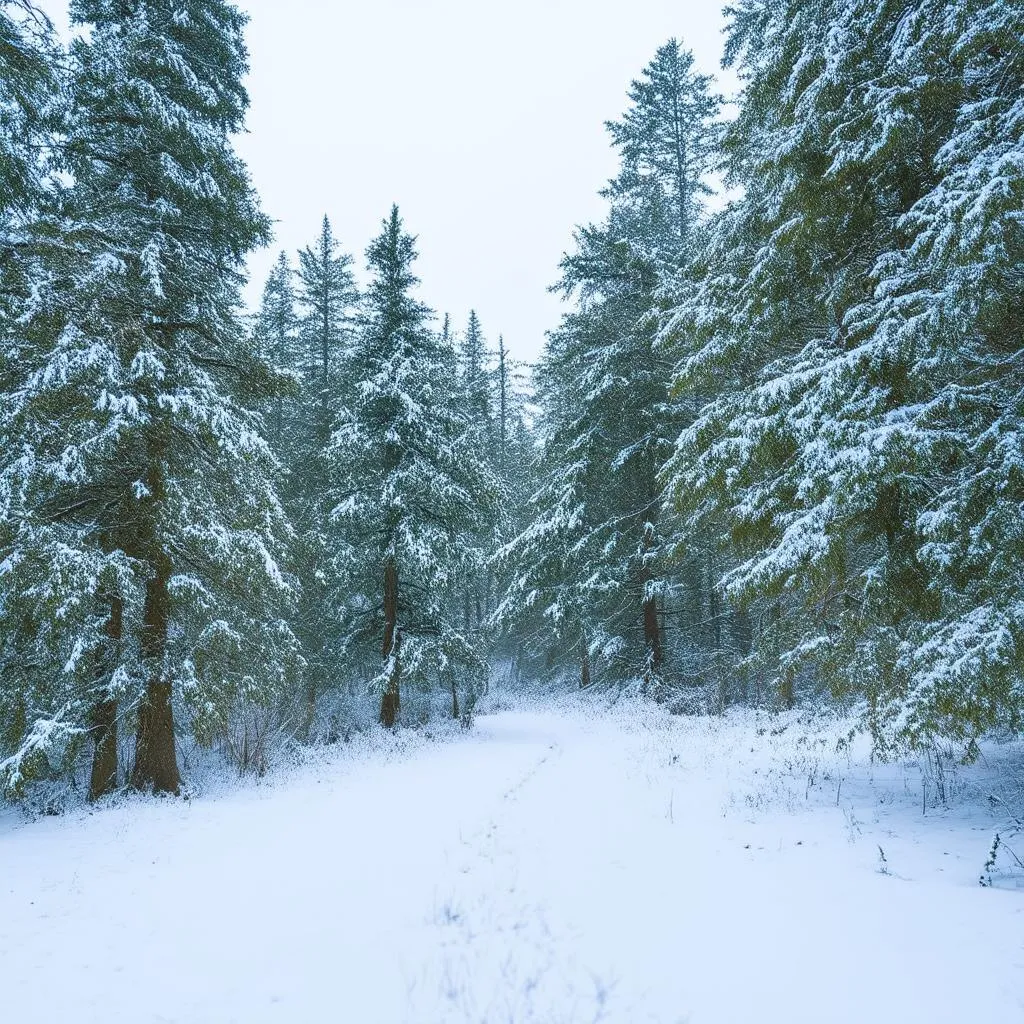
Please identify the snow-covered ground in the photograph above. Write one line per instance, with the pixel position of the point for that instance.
(560, 866)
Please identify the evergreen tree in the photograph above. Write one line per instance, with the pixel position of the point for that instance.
(26, 80)
(410, 492)
(328, 296)
(955, 296)
(553, 565)
(846, 327)
(147, 525)
(668, 141)
(594, 554)
(516, 465)
(476, 380)
(276, 336)
(329, 299)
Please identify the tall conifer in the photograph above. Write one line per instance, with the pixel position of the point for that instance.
(412, 490)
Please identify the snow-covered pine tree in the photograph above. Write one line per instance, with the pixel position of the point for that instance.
(410, 491)
(841, 329)
(609, 424)
(276, 334)
(952, 295)
(143, 489)
(27, 80)
(553, 565)
(765, 312)
(476, 376)
(516, 465)
(295, 344)
(329, 298)
(43, 569)
(668, 141)
(475, 382)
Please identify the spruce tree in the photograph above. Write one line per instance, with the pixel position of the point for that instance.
(275, 332)
(410, 491)
(48, 623)
(143, 461)
(27, 78)
(845, 325)
(476, 401)
(476, 380)
(328, 303)
(594, 554)
(328, 296)
(668, 140)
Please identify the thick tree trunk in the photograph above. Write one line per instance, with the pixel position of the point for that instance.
(104, 760)
(585, 668)
(390, 703)
(652, 636)
(156, 761)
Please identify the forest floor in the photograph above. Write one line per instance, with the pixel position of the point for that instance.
(561, 865)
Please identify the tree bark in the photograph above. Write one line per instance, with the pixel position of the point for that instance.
(652, 635)
(655, 652)
(787, 690)
(305, 729)
(455, 700)
(156, 761)
(390, 703)
(585, 667)
(104, 760)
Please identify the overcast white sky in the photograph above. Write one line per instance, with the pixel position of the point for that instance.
(483, 121)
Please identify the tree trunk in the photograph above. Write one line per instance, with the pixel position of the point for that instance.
(455, 700)
(716, 633)
(585, 667)
(655, 653)
(104, 759)
(156, 761)
(310, 710)
(104, 717)
(390, 703)
(652, 638)
(787, 690)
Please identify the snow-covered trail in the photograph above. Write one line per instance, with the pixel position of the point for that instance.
(547, 867)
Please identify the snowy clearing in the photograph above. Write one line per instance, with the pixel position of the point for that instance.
(552, 866)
